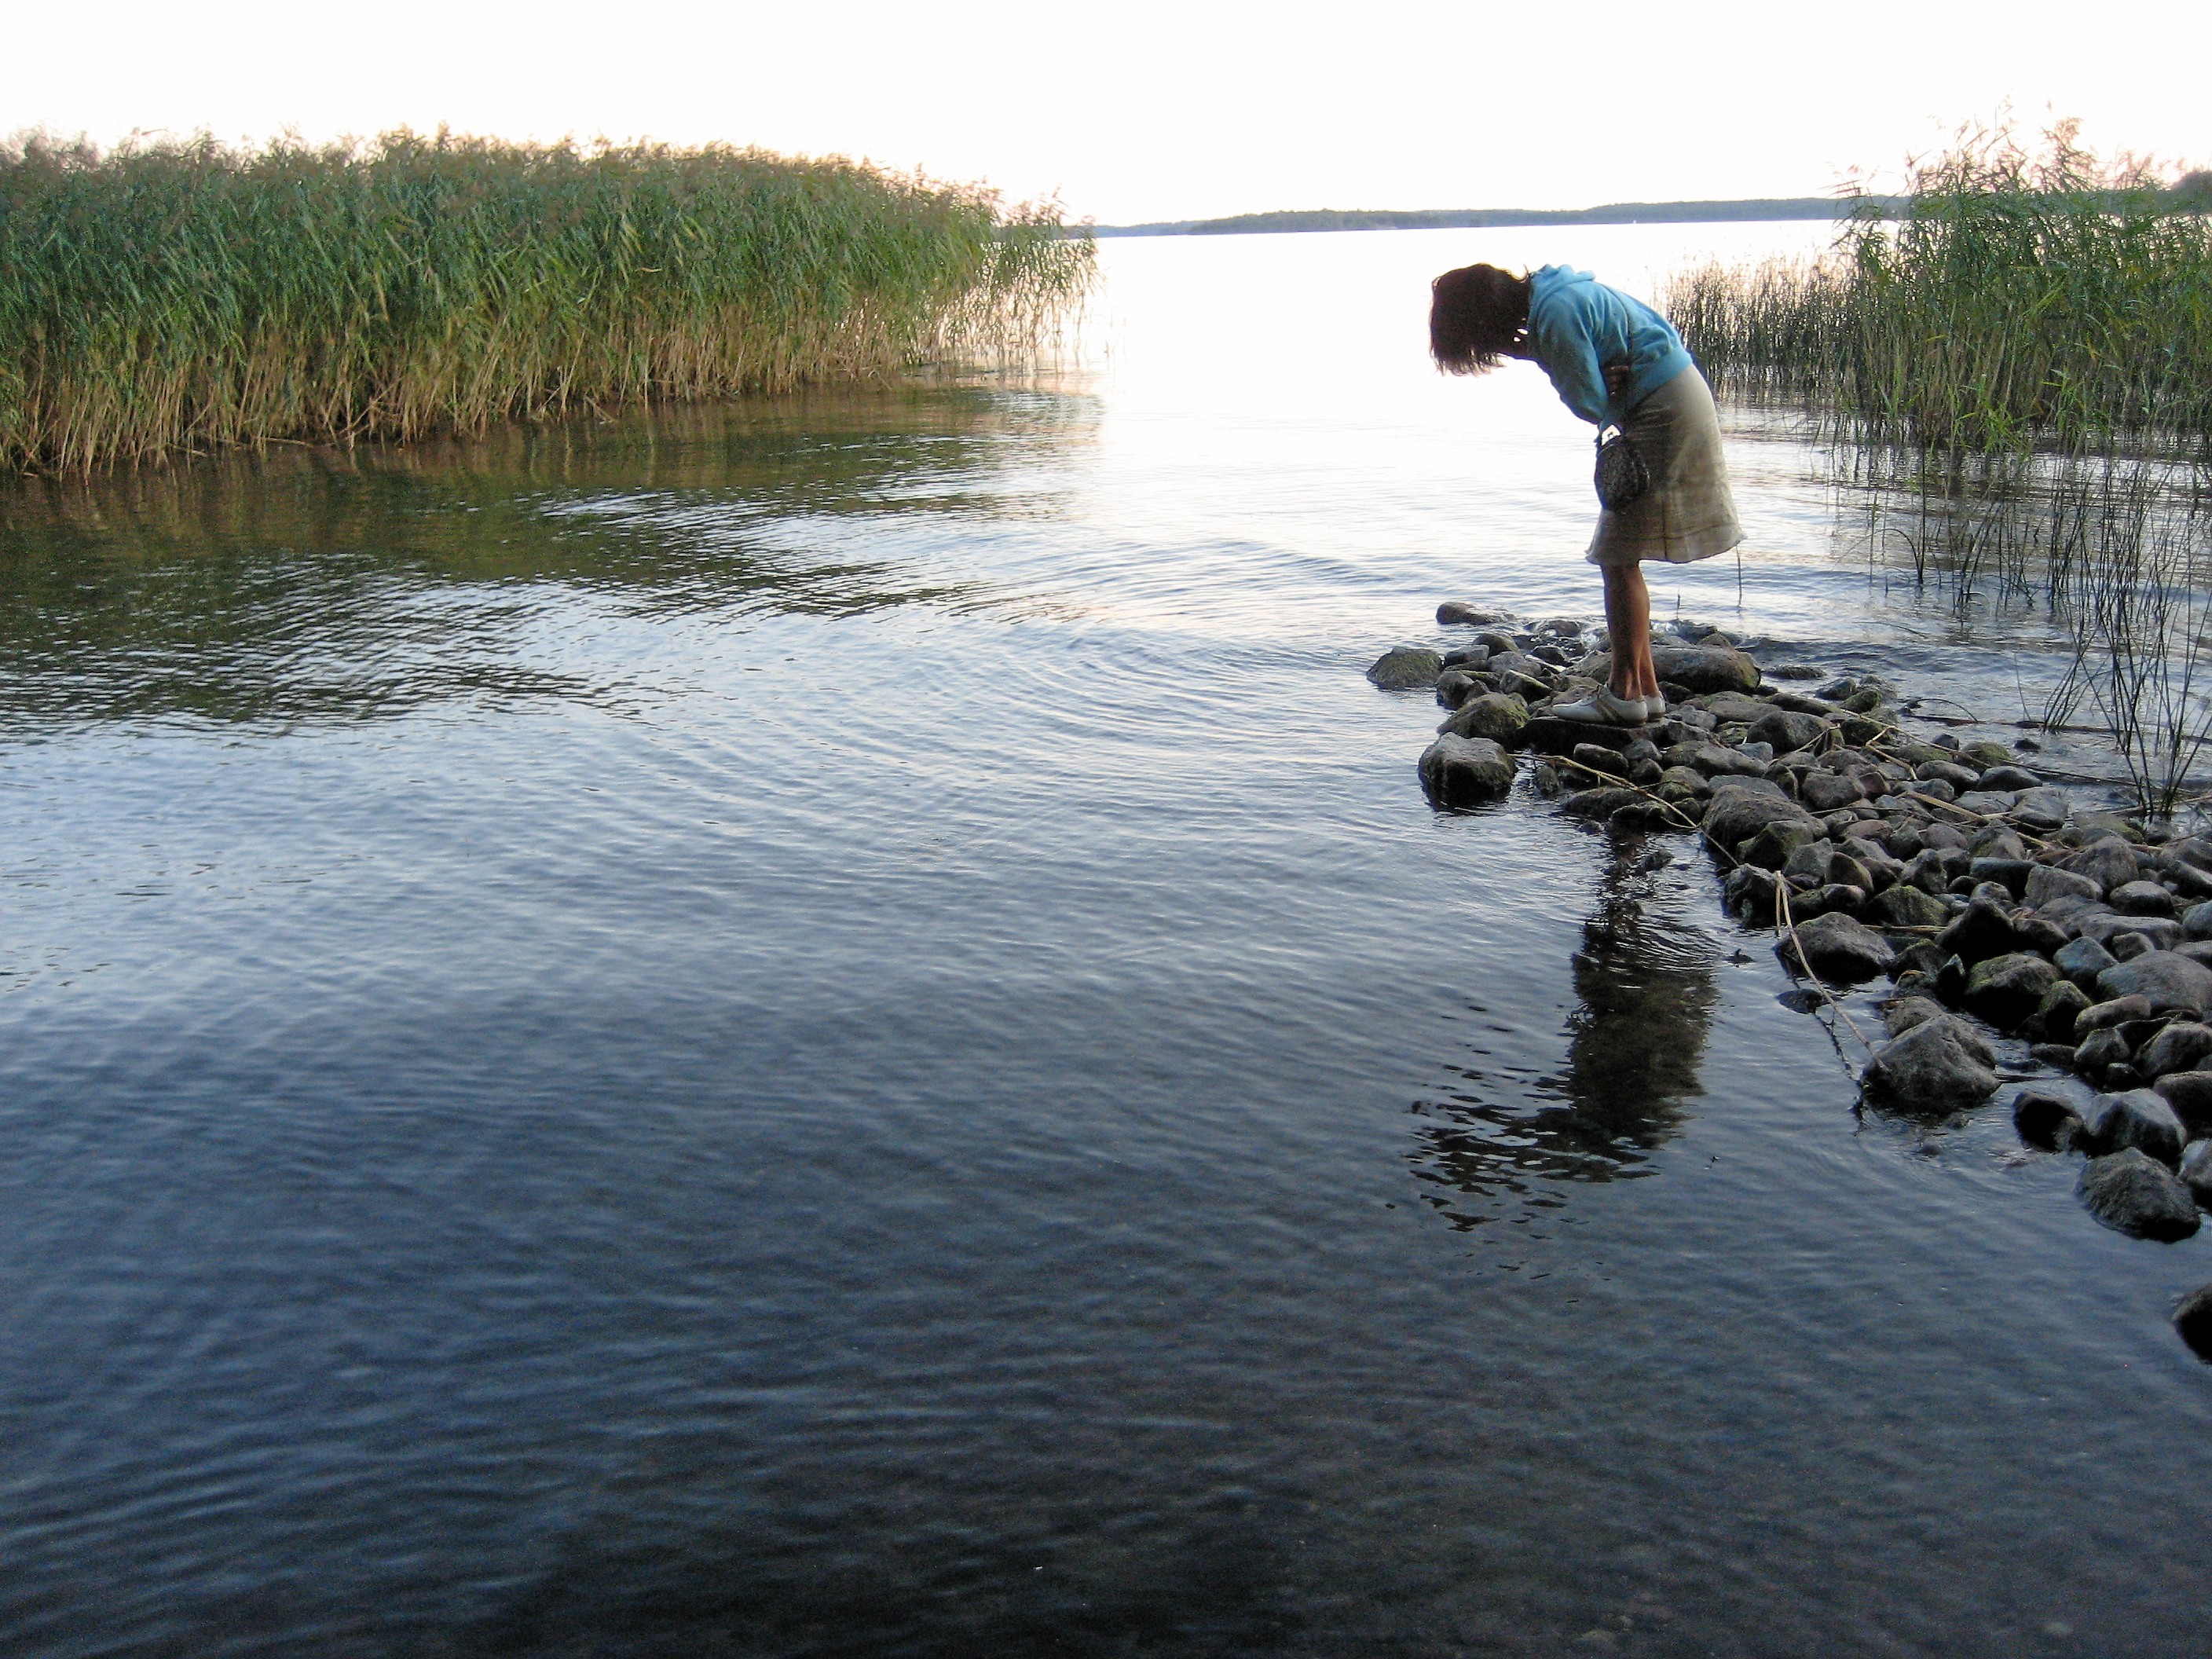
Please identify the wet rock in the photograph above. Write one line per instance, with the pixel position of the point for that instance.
(1596, 758)
(2057, 1015)
(1904, 1013)
(2005, 990)
(2190, 1094)
(2044, 809)
(1548, 734)
(1407, 668)
(2109, 862)
(1462, 771)
(1933, 1067)
(2187, 881)
(1988, 803)
(1733, 708)
(1455, 611)
(2141, 898)
(1829, 792)
(2100, 1050)
(2046, 883)
(2060, 1054)
(1906, 907)
(1788, 730)
(1771, 847)
(2181, 1047)
(1747, 892)
(1943, 771)
(1837, 949)
(2170, 982)
(2140, 1118)
(2011, 874)
(1983, 930)
(1950, 981)
(1493, 715)
(2046, 1119)
(1740, 811)
(2127, 946)
(1456, 685)
(1704, 668)
(2012, 779)
(2196, 1172)
(1836, 896)
(1996, 841)
(2119, 1011)
(2132, 1194)
(2192, 1319)
(2040, 934)
(2082, 961)
(1985, 754)
(1600, 803)
(1466, 656)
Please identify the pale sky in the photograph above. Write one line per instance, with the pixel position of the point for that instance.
(1144, 111)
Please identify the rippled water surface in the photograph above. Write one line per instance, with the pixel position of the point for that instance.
(838, 1027)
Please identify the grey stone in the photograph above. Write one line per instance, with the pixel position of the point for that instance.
(1994, 840)
(1407, 668)
(2196, 1172)
(2045, 808)
(1788, 730)
(1453, 611)
(1987, 802)
(2168, 981)
(2192, 1320)
(1931, 1068)
(2045, 1119)
(1494, 715)
(1809, 865)
(1828, 792)
(2013, 779)
(1733, 708)
(1906, 907)
(2056, 1016)
(2046, 883)
(2110, 862)
(2005, 990)
(1837, 949)
(2132, 1194)
(1599, 803)
(1704, 668)
(2101, 1048)
(2188, 881)
(2141, 898)
(1773, 845)
(2119, 1011)
(1904, 1013)
(1461, 771)
(1943, 771)
(1736, 814)
(2129, 945)
(2190, 1094)
(2162, 932)
(2011, 874)
(2139, 1118)
(1983, 930)
(2181, 1047)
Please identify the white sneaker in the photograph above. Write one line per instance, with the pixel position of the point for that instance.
(1601, 707)
(1655, 706)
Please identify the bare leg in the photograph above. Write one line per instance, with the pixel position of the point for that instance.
(1628, 616)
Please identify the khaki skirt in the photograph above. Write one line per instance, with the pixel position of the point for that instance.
(1687, 514)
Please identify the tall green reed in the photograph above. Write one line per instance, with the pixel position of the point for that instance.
(184, 296)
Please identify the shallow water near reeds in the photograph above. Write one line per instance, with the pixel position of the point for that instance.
(838, 1027)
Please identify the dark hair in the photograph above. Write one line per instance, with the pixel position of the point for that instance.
(1475, 313)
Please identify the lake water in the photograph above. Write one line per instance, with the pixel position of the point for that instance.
(838, 1027)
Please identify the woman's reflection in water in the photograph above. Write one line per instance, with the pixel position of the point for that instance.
(1644, 980)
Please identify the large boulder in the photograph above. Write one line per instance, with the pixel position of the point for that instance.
(2005, 990)
(1407, 668)
(2110, 862)
(1941, 1065)
(1983, 930)
(1789, 731)
(2043, 808)
(1829, 791)
(2133, 1194)
(2181, 1047)
(2172, 983)
(1835, 948)
(1735, 815)
(1705, 668)
(1498, 715)
(2082, 960)
(2137, 1118)
(2190, 1094)
(1463, 771)
(2046, 882)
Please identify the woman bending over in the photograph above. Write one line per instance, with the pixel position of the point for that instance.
(1616, 362)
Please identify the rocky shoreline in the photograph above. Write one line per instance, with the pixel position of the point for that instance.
(1992, 899)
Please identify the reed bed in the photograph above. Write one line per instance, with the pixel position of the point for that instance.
(183, 297)
(2020, 301)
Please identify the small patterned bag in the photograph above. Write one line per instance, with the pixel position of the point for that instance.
(1622, 477)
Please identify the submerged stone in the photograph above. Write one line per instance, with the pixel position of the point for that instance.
(1938, 1065)
(1838, 949)
(1407, 668)
(2132, 1194)
(1464, 771)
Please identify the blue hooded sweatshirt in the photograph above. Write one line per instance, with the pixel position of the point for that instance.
(1576, 325)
